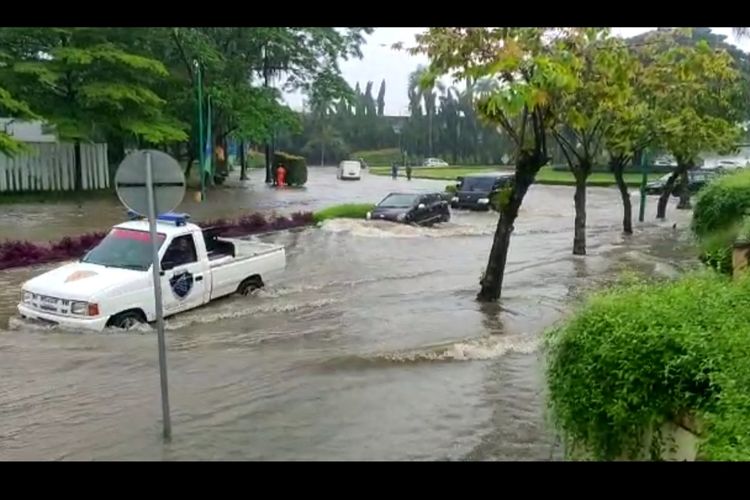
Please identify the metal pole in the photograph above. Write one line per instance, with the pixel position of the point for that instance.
(209, 141)
(644, 181)
(201, 145)
(157, 299)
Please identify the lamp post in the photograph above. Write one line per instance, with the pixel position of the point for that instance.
(201, 145)
(397, 130)
(644, 181)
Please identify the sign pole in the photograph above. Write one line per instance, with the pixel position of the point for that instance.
(156, 268)
(644, 181)
(201, 146)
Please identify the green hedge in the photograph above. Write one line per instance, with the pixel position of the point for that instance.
(720, 208)
(644, 353)
(296, 168)
(345, 211)
(722, 203)
(378, 156)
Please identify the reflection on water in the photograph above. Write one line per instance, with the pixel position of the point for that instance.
(371, 345)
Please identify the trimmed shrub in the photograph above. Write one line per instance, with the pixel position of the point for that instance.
(345, 211)
(378, 156)
(718, 215)
(722, 203)
(24, 253)
(645, 353)
(296, 168)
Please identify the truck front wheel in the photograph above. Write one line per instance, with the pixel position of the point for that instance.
(250, 284)
(126, 320)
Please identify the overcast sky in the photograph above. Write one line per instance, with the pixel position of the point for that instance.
(380, 62)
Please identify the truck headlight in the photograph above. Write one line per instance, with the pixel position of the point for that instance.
(84, 308)
(401, 217)
(368, 216)
(483, 201)
(454, 199)
(27, 297)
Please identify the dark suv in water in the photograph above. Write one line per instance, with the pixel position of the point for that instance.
(696, 180)
(412, 208)
(474, 191)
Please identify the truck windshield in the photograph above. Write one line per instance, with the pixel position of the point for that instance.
(125, 248)
(484, 184)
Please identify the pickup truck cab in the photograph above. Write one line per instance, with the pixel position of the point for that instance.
(112, 285)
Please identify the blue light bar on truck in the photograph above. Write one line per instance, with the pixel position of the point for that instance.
(176, 219)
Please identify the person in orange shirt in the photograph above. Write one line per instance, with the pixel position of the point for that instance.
(281, 175)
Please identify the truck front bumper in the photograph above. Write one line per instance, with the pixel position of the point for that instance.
(95, 324)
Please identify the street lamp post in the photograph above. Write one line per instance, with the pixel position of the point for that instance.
(201, 144)
(397, 130)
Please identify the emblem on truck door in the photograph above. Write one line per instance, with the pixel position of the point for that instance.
(181, 284)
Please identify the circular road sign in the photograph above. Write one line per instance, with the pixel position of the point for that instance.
(167, 177)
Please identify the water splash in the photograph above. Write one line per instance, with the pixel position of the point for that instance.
(383, 229)
(476, 349)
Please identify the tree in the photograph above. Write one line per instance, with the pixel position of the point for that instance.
(12, 108)
(691, 91)
(381, 98)
(87, 86)
(531, 67)
(581, 115)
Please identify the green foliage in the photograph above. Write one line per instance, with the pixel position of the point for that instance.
(451, 188)
(722, 203)
(720, 218)
(13, 108)
(715, 249)
(345, 211)
(378, 156)
(641, 354)
(296, 168)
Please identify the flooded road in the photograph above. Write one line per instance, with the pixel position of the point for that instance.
(370, 347)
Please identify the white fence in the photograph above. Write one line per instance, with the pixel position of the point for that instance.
(51, 167)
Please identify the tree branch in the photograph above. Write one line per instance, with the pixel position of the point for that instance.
(183, 56)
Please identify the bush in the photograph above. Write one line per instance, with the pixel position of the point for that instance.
(718, 216)
(255, 159)
(642, 354)
(722, 203)
(346, 211)
(296, 168)
(451, 188)
(378, 156)
(24, 253)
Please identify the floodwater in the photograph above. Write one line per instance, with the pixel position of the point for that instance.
(370, 346)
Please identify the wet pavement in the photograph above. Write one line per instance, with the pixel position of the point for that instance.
(369, 347)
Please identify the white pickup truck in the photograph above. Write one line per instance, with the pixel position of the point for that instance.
(113, 284)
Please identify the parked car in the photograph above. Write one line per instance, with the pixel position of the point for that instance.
(349, 170)
(434, 162)
(696, 180)
(412, 208)
(474, 191)
(113, 284)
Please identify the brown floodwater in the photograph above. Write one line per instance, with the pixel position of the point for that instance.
(369, 347)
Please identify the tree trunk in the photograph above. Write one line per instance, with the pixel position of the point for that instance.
(78, 171)
(429, 132)
(268, 163)
(322, 154)
(243, 162)
(661, 207)
(627, 208)
(579, 236)
(684, 203)
(492, 280)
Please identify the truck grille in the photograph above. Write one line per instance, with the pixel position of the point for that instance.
(49, 304)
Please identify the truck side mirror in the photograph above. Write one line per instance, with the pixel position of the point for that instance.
(167, 265)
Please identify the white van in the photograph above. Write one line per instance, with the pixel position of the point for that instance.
(349, 170)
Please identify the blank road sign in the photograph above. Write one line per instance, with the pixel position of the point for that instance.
(168, 181)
